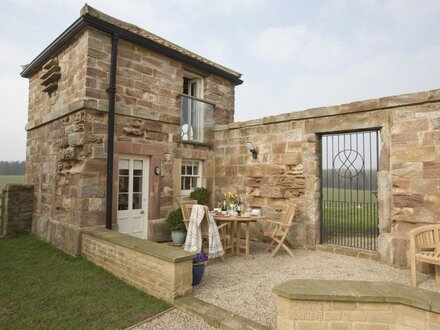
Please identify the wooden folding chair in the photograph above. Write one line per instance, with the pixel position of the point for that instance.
(278, 231)
(223, 229)
(185, 211)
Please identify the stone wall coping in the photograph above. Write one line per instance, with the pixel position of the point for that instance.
(342, 109)
(161, 251)
(359, 291)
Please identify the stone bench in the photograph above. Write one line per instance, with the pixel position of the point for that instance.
(425, 247)
(320, 304)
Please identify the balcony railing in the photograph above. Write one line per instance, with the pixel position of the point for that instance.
(196, 121)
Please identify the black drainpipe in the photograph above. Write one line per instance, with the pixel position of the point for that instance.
(111, 131)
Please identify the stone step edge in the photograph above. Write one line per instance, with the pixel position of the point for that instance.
(215, 316)
(348, 251)
(149, 319)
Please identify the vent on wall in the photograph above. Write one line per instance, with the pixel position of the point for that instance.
(51, 76)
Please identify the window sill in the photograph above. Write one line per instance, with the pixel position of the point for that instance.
(202, 144)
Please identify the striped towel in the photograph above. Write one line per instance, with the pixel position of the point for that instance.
(193, 241)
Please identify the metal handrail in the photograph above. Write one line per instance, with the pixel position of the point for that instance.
(196, 99)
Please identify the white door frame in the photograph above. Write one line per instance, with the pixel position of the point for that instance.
(132, 220)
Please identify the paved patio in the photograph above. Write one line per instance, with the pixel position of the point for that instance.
(245, 286)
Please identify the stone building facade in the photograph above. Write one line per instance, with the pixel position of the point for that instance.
(408, 172)
(68, 127)
(68, 138)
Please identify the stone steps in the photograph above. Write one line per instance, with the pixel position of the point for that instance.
(215, 316)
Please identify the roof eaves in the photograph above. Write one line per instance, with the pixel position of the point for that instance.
(160, 48)
(59, 42)
(89, 20)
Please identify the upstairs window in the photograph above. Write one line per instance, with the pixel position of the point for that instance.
(192, 87)
(196, 115)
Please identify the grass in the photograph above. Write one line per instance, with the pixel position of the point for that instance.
(348, 195)
(42, 287)
(345, 211)
(5, 179)
(350, 220)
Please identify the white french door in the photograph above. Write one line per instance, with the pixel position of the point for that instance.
(132, 215)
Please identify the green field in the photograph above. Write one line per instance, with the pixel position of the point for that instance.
(344, 219)
(350, 217)
(5, 179)
(348, 195)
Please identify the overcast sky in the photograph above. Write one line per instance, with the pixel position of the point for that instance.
(293, 55)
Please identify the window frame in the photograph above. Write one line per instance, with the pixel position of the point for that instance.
(198, 83)
(184, 163)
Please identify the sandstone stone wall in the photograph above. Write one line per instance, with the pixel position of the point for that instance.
(352, 315)
(353, 305)
(67, 166)
(16, 209)
(288, 164)
(67, 134)
(70, 93)
(148, 107)
(159, 270)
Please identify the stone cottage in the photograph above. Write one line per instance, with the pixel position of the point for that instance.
(163, 100)
(169, 114)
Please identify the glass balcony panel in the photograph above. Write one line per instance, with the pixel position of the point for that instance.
(196, 120)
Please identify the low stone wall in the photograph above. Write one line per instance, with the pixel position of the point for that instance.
(319, 304)
(17, 207)
(157, 269)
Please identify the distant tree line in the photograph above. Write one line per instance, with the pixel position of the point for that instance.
(364, 180)
(12, 168)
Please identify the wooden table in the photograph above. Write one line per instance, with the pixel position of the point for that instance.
(236, 228)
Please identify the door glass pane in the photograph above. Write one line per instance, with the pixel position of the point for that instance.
(137, 167)
(137, 184)
(123, 202)
(137, 201)
(124, 166)
(123, 184)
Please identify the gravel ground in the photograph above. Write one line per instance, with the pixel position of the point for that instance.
(175, 320)
(245, 286)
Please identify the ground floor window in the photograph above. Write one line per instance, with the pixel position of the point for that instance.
(191, 176)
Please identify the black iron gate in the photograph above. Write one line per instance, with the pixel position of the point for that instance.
(349, 208)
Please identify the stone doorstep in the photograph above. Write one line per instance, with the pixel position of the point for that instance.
(347, 251)
(215, 316)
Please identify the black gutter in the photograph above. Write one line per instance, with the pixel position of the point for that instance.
(111, 131)
(105, 26)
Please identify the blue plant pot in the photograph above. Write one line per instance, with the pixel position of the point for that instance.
(198, 270)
